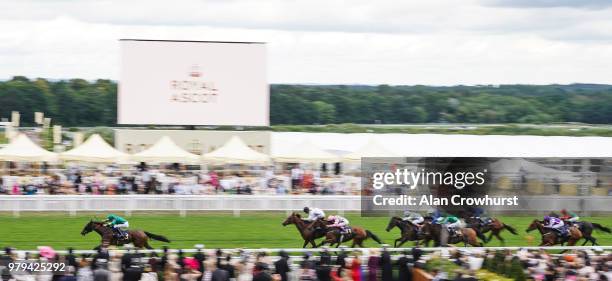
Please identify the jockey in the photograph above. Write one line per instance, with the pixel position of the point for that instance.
(413, 217)
(314, 214)
(118, 224)
(479, 214)
(569, 216)
(555, 224)
(340, 222)
(435, 214)
(452, 223)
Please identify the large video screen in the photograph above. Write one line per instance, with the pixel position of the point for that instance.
(193, 83)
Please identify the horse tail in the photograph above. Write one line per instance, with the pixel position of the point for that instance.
(157, 237)
(373, 236)
(600, 227)
(510, 228)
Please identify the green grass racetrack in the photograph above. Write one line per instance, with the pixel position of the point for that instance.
(250, 230)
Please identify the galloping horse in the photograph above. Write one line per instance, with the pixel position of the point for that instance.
(139, 238)
(495, 226)
(586, 228)
(551, 237)
(408, 231)
(434, 231)
(307, 231)
(333, 235)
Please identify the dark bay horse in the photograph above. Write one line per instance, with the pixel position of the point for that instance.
(308, 232)
(551, 237)
(495, 226)
(408, 231)
(334, 235)
(439, 234)
(586, 228)
(139, 238)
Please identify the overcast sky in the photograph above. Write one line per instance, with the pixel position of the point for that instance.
(325, 41)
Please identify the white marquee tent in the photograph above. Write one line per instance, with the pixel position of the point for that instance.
(95, 150)
(371, 149)
(306, 152)
(23, 149)
(235, 151)
(165, 151)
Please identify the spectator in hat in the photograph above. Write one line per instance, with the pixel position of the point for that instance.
(84, 272)
(200, 257)
(191, 272)
(386, 265)
(213, 273)
(260, 272)
(324, 270)
(373, 265)
(404, 268)
(5, 260)
(101, 272)
(281, 266)
(325, 256)
(228, 266)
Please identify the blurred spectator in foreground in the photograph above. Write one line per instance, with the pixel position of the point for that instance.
(281, 266)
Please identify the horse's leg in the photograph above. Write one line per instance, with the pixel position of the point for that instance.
(481, 235)
(477, 243)
(401, 243)
(490, 237)
(146, 245)
(503, 242)
(322, 243)
(395, 242)
(313, 243)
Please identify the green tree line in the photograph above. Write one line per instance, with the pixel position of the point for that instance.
(79, 102)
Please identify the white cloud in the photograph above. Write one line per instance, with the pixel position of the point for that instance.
(366, 42)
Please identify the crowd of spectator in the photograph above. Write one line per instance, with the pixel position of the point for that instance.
(327, 265)
(144, 180)
(532, 264)
(582, 265)
(212, 266)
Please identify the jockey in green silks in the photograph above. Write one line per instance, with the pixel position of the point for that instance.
(118, 224)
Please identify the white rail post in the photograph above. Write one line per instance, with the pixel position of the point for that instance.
(182, 210)
(72, 208)
(16, 208)
(236, 207)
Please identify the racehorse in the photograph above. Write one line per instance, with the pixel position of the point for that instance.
(334, 236)
(307, 231)
(586, 228)
(139, 238)
(495, 226)
(551, 237)
(408, 231)
(433, 231)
